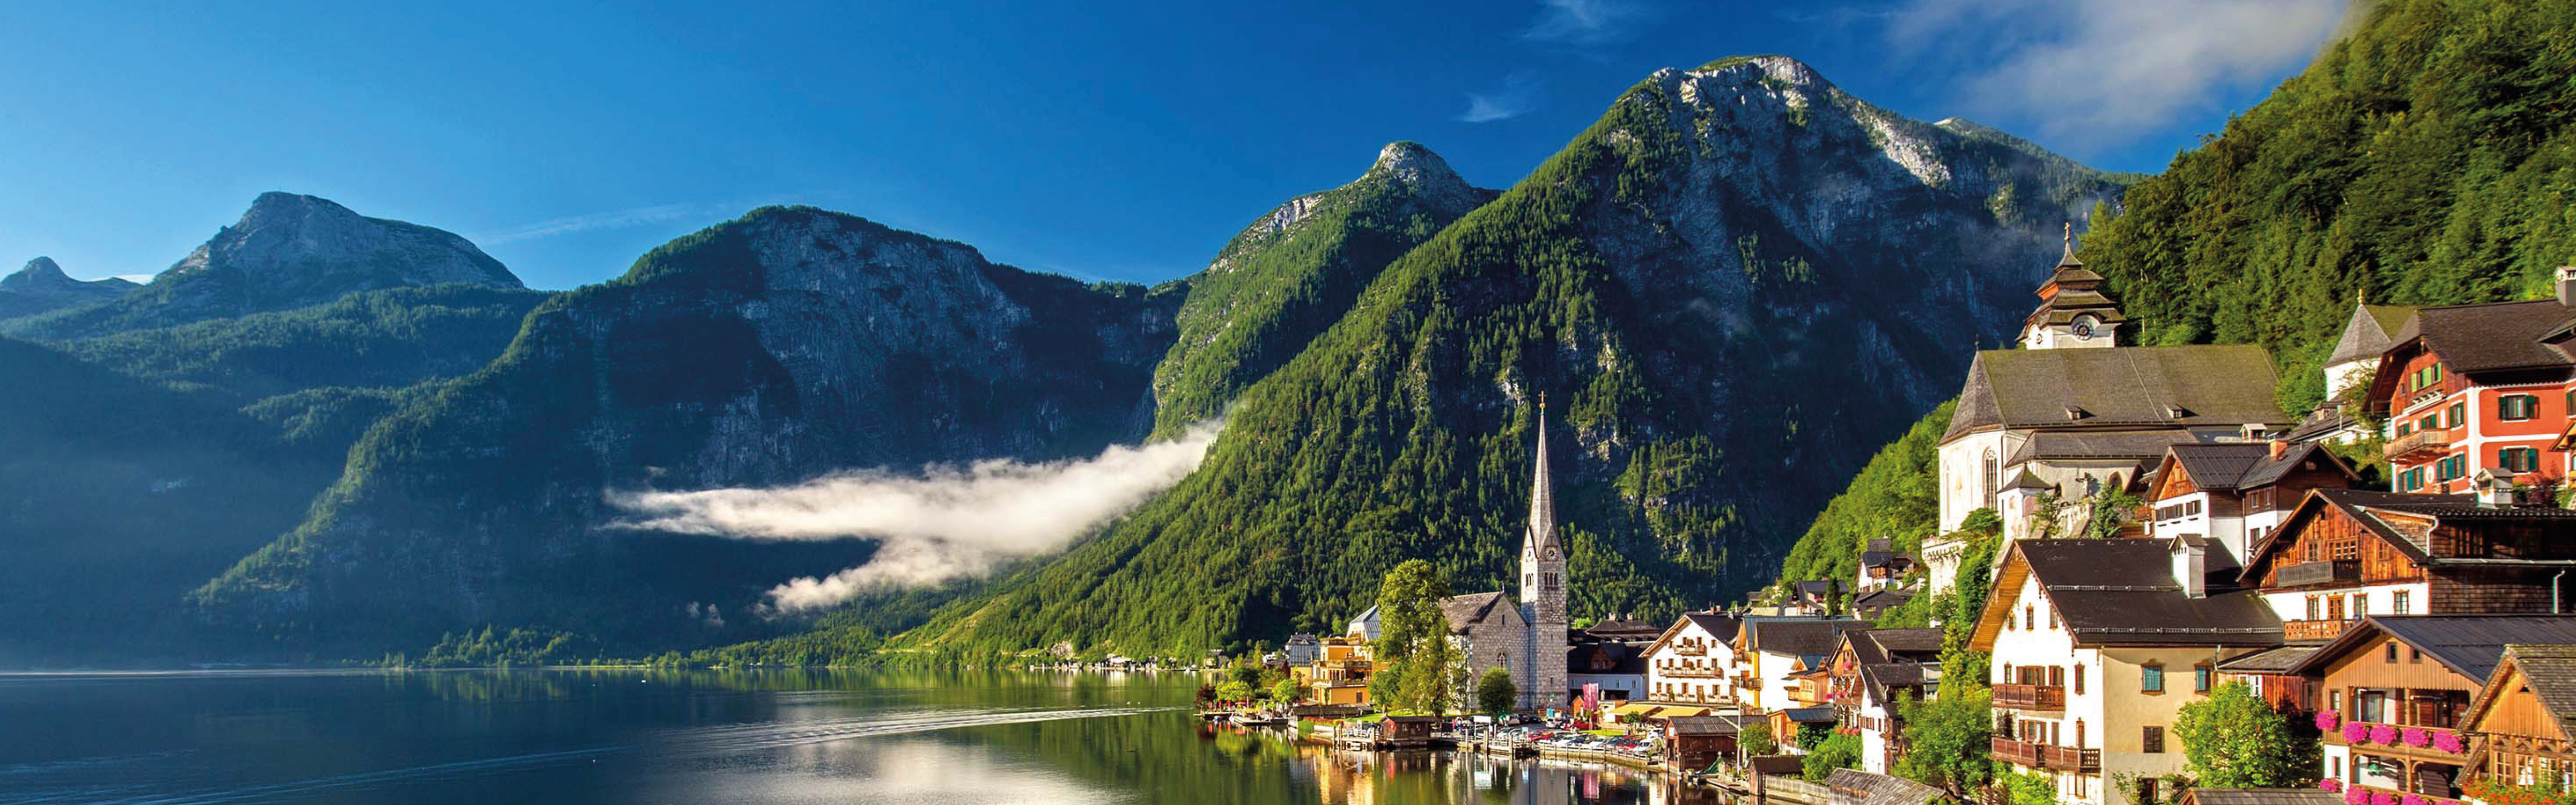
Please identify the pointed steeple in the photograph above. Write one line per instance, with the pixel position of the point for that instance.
(1542, 515)
(2073, 312)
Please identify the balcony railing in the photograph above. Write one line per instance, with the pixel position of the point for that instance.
(2309, 574)
(2017, 696)
(2302, 631)
(2043, 756)
(2422, 442)
(1692, 673)
(1690, 651)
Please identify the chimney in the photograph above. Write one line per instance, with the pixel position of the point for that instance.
(2493, 490)
(2279, 446)
(2191, 565)
(2567, 285)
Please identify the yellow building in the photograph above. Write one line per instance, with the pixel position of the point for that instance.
(1341, 670)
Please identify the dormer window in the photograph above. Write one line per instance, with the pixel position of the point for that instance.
(2075, 412)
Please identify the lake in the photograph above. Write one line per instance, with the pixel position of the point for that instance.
(639, 736)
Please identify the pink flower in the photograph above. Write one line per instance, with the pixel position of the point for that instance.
(2329, 784)
(2449, 742)
(2328, 720)
(2416, 737)
(2383, 734)
(2356, 796)
(2414, 799)
(2356, 732)
(2383, 798)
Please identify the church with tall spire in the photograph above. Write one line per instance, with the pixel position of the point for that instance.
(1525, 637)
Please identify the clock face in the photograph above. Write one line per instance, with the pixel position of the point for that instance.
(2084, 326)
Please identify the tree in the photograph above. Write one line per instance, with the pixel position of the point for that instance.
(1495, 692)
(1287, 691)
(1755, 740)
(1947, 738)
(1838, 751)
(2234, 739)
(1812, 736)
(1232, 691)
(1414, 641)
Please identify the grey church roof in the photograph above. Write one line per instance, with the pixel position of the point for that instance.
(2372, 329)
(2075, 388)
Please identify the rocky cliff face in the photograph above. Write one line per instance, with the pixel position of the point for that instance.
(42, 286)
(287, 251)
(1733, 287)
(770, 349)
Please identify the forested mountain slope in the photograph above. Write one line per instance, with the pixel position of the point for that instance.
(1734, 286)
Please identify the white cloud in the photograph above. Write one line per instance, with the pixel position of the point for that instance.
(2104, 72)
(944, 524)
(612, 219)
(1588, 23)
(1517, 96)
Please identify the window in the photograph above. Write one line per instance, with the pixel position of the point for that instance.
(1992, 476)
(2429, 422)
(2459, 415)
(2052, 619)
(2079, 733)
(2313, 604)
(2414, 654)
(2154, 739)
(2518, 459)
(2451, 467)
(2360, 605)
(2200, 678)
(2151, 678)
(2398, 604)
(2516, 407)
(2027, 616)
(2079, 679)
(2392, 651)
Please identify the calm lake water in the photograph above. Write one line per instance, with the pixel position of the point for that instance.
(704, 737)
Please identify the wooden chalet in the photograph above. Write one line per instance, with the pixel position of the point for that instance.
(2345, 554)
(2395, 693)
(2522, 718)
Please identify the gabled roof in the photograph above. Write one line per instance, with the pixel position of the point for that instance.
(1465, 611)
(1625, 658)
(1701, 725)
(2106, 445)
(1720, 628)
(2116, 592)
(2368, 333)
(2548, 671)
(2273, 661)
(2401, 520)
(2203, 385)
(2469, 645)
(2491, 337)
(1882, 598)
(1801, 637)
(2234, 466)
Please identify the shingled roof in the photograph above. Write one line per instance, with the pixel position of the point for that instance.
(2262, 796)
(2548, 671)
(1803, 637)
(2370, 331)
(1863, 788)
(2469, 645)
(1465, 611)
(2113, 592)
(2230, 466)
(2187, 386)
(2491, 337)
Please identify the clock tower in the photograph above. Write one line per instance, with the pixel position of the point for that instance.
(2072, 310)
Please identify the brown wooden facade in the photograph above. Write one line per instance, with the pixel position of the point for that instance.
(2521, 741)
(2384, 681)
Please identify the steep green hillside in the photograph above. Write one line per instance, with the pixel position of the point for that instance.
(2426, 159)
(1897, 495)
(1293, 273)
(1725, 325)
(119, 495)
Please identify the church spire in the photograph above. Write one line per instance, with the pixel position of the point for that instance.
(1542, 514)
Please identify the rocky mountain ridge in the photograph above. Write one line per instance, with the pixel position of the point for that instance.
(41, 286)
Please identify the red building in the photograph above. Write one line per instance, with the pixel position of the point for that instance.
(2479, 387)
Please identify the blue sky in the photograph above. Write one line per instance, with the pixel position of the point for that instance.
(1103, 141)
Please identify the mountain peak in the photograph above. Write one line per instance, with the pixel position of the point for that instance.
(312, 249)
(1425, 174)
(41, 269)
(1766, 68)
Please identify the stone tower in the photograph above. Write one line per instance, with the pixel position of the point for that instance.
(2072, 310)
(1543, 587)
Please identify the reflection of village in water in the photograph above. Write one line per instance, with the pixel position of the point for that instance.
(1441, 777)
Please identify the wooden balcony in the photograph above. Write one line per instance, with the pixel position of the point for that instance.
(2043, 756)
(2312, 574)
(1691, 673)
(2419, 444)
(2015, 696)
(2316, 630)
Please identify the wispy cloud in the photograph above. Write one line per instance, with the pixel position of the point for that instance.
(1518, 95)
(2104, 72)
(611, 219)
(1588, 23)
(945, 524)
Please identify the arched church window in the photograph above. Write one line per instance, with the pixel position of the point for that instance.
(1993, 476)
